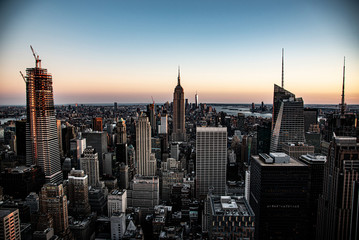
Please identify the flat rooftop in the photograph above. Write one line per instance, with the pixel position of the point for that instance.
(292, 162)
(211, 129)
(230, 206)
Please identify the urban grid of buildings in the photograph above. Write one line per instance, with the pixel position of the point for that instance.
(177, 170)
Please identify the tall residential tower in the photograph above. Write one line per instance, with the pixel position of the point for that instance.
(42, 147)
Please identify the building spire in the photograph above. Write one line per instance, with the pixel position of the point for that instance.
(282, 67)
(179, 76)
(342, 110)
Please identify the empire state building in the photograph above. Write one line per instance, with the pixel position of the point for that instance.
(42, 147)
(179, 131)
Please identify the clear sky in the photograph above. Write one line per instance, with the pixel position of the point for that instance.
(229, 51)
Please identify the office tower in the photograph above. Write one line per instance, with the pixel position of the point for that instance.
(33, 201)
(115, 106)
(295, 150)
(144, 192)
(131, 161)
(310, 117)
(59, 136)
(263, 137)
(152, 117)
(77, 147)
(247, 184)
(143, 147)
(107, 164)
(116, 202)
(121, 153)
(97, 124)
(42, 147)
(18, 182)
(124, 176)
(175, 151)
(66, 167)
(97, 200)
(118, 225)
(354, 225)
(211, 154)
(241, 121)
(90, 164)
(342, 123)
(179, 130)
(98, 140)
(68, 133)
(313, 139)
(278, 196)
(340, 172)
(315, 164)
(163, 127)
(53, 202)
(172, 173)
(196, 100)
(121, 135)
(287, 120)
(9, 224)
(78, 193)
(229, 217)
(21, 138)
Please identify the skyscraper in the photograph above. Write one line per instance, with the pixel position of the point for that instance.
(78, 193)
(145, 167)
(316, 173)
(162, 128)
(179, 130)
(196, 99)
(98, 140)
(287, 120)
(97, 124)
(211, 154)
(340, 172)
(53, 201)
(89, 163)
(42, 147)
(279, 196)
(121, 135)
(9, 224)
(152, 117)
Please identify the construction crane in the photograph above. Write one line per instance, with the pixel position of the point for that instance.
(37, 58)
(23, 77)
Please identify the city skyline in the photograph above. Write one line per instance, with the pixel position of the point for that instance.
(229, 52)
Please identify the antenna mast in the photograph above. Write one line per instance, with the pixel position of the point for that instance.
(282, 67)
(343, 104)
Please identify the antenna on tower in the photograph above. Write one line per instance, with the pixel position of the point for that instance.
(37, 58)
(342, 110)
(179, 75)
(153, 101)
(282, 67)
(23, 77)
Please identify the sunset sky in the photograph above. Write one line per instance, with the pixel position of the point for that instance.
(228, 51)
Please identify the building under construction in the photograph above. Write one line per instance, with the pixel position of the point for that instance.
(42, 147)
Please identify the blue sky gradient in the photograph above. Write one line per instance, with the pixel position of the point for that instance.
(229, 51)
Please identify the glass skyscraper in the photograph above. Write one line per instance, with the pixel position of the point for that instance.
(287, 120)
